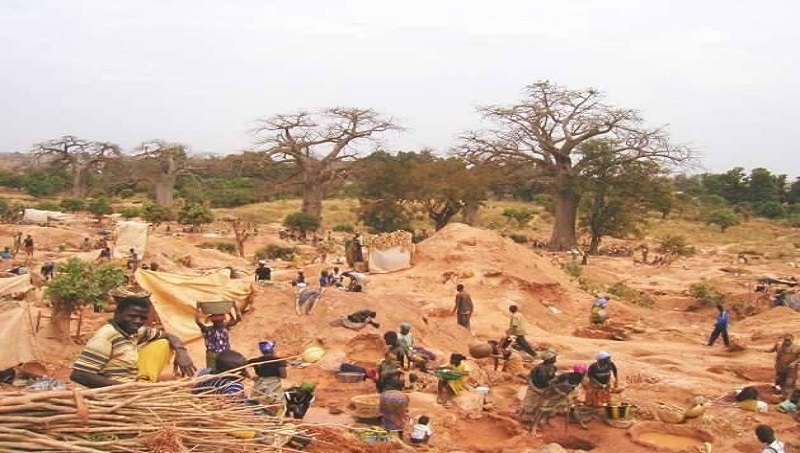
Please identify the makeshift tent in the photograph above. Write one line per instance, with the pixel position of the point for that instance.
(390, 252)
(130, 235)
(39, 216)
(175, 296)
(16, 333)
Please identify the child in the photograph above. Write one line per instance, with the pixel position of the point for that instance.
(421, 431)
(217, 335)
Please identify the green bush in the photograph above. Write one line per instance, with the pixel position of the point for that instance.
(195, 214)
(130, 212)
(155, 213)
(48, 206)
(300, 221)
(79, 283)
(621, 290)
(43, 184)
(705, 294)
(274, 251)
(573, 268)
(344, 228)
(222, 246)
(770, 210)
(724, 218)
(675, 245)
(518, 238)
(100, 206)
(125, 193)
(72, 204)
(793, 221)
(522, 215)
(626, 293)
(3, 207)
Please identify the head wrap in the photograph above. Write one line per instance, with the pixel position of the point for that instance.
(266, 346)
(601, 302)
(603, 355)
(262, 262)
(548, 355)
(580, 368)
(405, 326)
(308, 386)
(217, 317)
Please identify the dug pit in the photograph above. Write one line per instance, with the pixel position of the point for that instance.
(664, 437)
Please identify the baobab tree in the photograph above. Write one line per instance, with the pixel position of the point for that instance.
(79, 156)
(161, 163)
(546, 130)
(318, 144)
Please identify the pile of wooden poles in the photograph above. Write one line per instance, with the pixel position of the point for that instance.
(166, 417)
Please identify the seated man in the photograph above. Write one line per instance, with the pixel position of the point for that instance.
(6, 254)
(123, 350)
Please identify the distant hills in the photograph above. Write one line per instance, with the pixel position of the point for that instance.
(11, 161)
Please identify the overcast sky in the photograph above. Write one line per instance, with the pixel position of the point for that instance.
(723, 74)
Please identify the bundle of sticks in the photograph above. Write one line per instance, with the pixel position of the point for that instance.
(168, 417)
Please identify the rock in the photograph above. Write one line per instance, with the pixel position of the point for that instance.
(550, 448)
(469, 401)
(738, 343)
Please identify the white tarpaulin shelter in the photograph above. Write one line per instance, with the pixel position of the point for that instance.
(39, 216)
(392, 259)
(389, 252)
(16, 334)
(130, 235)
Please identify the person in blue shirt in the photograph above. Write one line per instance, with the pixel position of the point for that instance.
(225, 383)
(721, 327)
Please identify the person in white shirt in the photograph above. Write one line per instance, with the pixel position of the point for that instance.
(421, 431)
(766, 435)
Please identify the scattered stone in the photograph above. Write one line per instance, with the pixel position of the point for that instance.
(550, 448)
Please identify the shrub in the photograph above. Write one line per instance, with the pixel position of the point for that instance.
(195, 214)
(130, 212)
(3, 207)
(518, 238)
(705, 294)
(625, 292)
(100, 207)
(72, 204)
(724, 218)
(302, 222)
(155, 213)
(125, 193)
(78, 283)
(274, 251)
(675, 245)
(344, 228)
(793, 221)
(522, 215)
(48, 206)
(770, 210)
(621, 290)
(222, 246)
(573, 268)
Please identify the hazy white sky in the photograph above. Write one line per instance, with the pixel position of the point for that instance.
(723, 74)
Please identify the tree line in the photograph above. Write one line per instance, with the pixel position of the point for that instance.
(596, 167)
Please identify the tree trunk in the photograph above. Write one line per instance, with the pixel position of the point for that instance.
(594, 244)
(313, 193)
(470, 213)
(59, 325)
(77, 182)
(566, 200)
(165, 191)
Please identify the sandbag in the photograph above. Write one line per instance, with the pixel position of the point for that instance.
(480, 350)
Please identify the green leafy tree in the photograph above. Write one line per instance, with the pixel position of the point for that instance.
(72, 204)
(617, 193)
(196, 215)
(766, 187)
(546, 132)
(78, 283)
(156, 213)
(43, 184)
(100, 207)
(724, 218)
(770, 209)
(383, 216)
(302, 222)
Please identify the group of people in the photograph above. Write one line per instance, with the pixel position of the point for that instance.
(126, 350)
(550, 392)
